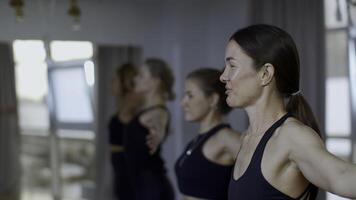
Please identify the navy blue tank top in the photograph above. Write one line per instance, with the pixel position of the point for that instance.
(199, 177)
(136, 150)
(252, 185)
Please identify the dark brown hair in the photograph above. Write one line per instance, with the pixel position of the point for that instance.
(270, 44)
(209, 82)
(161, 70)
(128, 100)
(126, 74)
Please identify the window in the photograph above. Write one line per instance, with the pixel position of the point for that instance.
(66, 74)
(71, 50)
(338, 97)
(31, 86)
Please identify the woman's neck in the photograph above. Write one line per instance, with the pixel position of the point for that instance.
(267, 110)
(128, 106)
(211, 120)
(153, 99)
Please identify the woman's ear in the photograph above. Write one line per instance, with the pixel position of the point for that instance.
(214, 100)
(157, 84)
(266, 74)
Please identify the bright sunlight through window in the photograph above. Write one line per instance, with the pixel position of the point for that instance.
(70, 50)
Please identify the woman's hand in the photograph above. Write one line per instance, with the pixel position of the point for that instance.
(156, 122)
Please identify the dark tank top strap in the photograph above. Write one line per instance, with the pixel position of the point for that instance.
(268, 134)
(308, 194)
(214, 130)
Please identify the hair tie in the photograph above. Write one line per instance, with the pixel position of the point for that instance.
(296, 93)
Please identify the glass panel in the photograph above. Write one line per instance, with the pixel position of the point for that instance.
(336, 53)
(33, 115)
(335, 13)
(71, 96)
(338, 107)
(29, 51)
(31, 86)
(339, 147)
(31, 81)
(31, 90)
(353, 13)
(67, 50)
(76, 166)
(89, 72)
(36, 173)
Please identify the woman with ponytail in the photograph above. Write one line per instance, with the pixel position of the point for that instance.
(147, 130)
(282, 155)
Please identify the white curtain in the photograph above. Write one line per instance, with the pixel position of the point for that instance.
(9, 131)
(108, 59)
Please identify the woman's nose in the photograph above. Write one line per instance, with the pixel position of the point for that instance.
(223, 76)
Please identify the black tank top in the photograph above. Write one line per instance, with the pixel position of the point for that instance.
(252, 185)
(116, 129)
(199, 177)
(136, 150)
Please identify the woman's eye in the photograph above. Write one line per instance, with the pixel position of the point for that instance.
(188, 95)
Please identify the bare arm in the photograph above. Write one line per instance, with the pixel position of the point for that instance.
(232, 142)
(156, 122)
(318, 165)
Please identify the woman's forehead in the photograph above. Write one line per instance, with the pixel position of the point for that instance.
(144, 68)
(235, 54)
(191, 82)
(233, 50)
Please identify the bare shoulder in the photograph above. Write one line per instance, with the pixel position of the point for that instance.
(230, 139)
(294, 133)
(158, 112)
(295, 130)
(228, 134)
(156, 115)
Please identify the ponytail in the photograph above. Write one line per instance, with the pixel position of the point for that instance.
(161, 70)
(300, 109)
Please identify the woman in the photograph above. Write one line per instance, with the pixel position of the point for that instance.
(204, 168)
(282, 155)
(147, 130)
(126, 102)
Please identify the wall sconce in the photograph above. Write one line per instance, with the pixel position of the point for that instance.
(75, 13)
(17, 5)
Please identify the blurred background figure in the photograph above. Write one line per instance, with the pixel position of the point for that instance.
(145, 133)
(204, 168)
(127, 104)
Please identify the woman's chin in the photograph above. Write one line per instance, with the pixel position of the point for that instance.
(138, 91)
(229, 101)
(188, 119)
